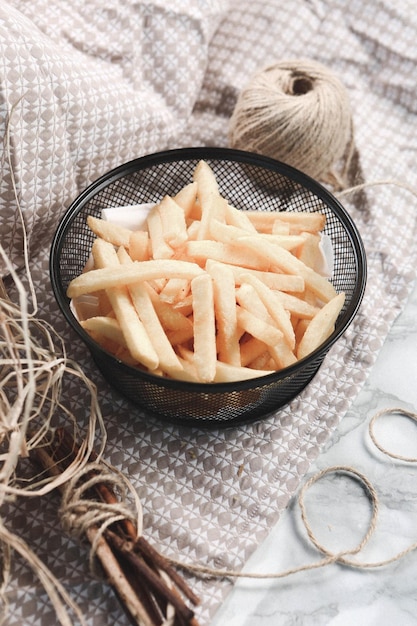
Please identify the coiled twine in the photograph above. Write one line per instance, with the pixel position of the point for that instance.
(297, 112)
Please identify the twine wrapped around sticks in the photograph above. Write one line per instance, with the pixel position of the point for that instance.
(94, 507)
(298, 112)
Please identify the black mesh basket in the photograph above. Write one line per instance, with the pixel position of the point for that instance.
(248, 181)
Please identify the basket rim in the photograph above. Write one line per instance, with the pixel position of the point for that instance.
(215, 154)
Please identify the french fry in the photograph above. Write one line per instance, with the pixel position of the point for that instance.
(279, 227)
(321, 326)
(263, 362)
(234, 254)
(205, 353)
(106, 277)
(192, 230)
(283, 355)
(225, 313)
(225, 233)
(258, 328)
(273, 280)
(181, 336)
(171, 318)
(296, 306)
(186, 199)
(284, 261)
(160, 248)
(237, 218)
(104, 256)
(247, 298)
(173, 224)
(263, 221)
(167, 359)
(288, 242)
(274, 306)
(105, 326)
(251, 349)
(112, 233)
(211, 203)
(220, 231)
(185, 306)
(139, 245)
(175, 290)
(296, 221)
(300, 221)
(309, 250)
(300, 326)
(136, 337)
(269, 335)
(226, 373)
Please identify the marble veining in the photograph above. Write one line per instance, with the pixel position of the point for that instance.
(339, 512)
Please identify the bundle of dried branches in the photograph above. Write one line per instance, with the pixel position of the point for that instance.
(150, 589)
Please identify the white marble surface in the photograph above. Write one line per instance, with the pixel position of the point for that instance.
(339, 513)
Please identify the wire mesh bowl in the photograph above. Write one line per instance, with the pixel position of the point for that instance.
(248, 181)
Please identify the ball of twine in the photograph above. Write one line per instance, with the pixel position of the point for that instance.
(297, 112)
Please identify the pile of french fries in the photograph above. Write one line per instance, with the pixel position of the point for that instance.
(205, 292)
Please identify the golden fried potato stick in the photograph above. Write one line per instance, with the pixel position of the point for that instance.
(274, 306)
(112, 233)
(211, 203)
(107, 277)
(282, 260)
(205, 352)
(134, 332)
(168, 360)
(321, 326)
(225, 313)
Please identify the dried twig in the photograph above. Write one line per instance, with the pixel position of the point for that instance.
(148, 587)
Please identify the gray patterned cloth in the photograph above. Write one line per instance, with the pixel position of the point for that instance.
(87, 86)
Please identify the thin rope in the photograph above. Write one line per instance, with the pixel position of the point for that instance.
(330, 557)
(377, 444)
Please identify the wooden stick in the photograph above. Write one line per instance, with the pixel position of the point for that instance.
(128, 550)
(117, 579)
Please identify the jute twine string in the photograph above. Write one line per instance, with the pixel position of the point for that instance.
(391, 411)
(329, 556)
(78, 514)
(297, 111)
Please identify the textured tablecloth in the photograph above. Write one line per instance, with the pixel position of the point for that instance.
(93, 86)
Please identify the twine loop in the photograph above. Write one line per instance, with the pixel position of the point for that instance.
(391, 411)
(341, 557)
(329, 557)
